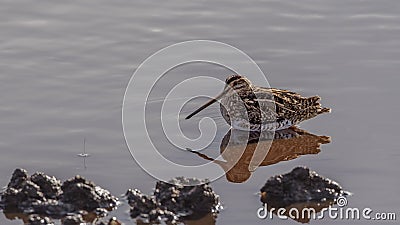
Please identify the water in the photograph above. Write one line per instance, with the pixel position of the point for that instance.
(65, 66)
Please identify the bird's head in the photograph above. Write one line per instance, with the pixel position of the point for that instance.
(233, 84)
(237, 82)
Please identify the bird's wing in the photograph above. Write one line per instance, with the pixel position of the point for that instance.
(268, 101)
(267, 96)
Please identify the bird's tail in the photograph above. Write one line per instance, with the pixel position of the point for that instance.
(311, 107)
(324, 110)
(313, 104)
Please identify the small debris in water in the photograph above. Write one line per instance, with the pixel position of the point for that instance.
(84, 155)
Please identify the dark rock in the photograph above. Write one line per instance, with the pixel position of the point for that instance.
(52, 207)
(18, 178)
(44, 195)
(75, 219)
(101, 212)
(50, 186)
(111, 221)
(157, 215)
(188, 197)
(39, 220)
(300, 185)
(22, 199)
(32, 191)
(22, 193)
(141, 204)
(179, 199)
(114, 221)
(12, 198)
(83, 194)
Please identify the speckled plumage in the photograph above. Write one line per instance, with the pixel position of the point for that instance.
(248, 107)
(267, 108)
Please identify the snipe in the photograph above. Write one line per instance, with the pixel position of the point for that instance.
(248, 107)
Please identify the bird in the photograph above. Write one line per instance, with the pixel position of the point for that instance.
(248, 107)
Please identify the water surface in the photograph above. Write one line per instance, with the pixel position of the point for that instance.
(65, 66)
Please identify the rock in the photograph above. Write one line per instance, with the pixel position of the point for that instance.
(12, 198)
(75, 219)
(85, 195)
(51, 207)
(22, 199)
(179, 199)
(101, 212)
(44, 195)
(18, 178)
(157, 215)
(141, 204)
(114, 221)
(300, 185)
(111, 221)
(39, 220)
(26, 194)
(32, 191)
(50, 186)
(192, 201)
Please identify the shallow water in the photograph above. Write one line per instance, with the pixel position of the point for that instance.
(65, 66)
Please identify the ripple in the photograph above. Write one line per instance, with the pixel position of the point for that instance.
(374, 16)
(303, 16)
(33, 23)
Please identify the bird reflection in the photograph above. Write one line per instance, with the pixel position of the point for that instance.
(244, 151)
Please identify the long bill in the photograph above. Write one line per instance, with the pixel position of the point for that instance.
(207, 104)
